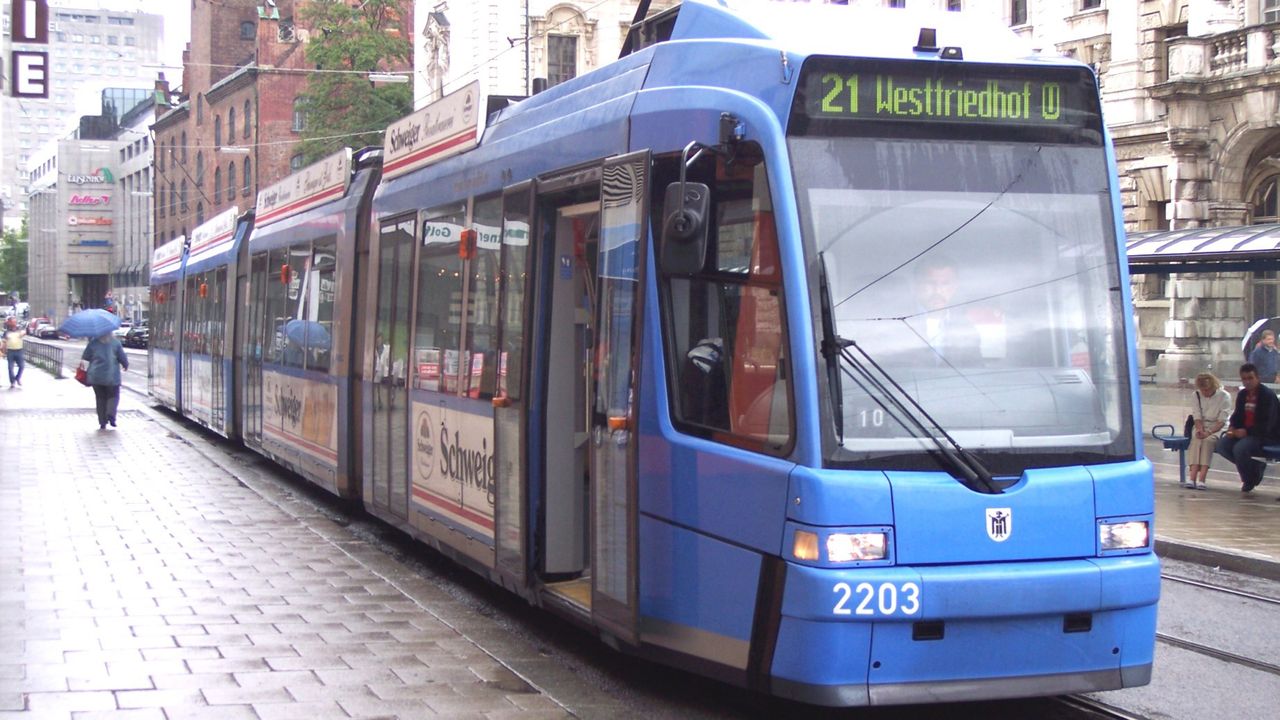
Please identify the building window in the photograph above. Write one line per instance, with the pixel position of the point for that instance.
(1270, 11)
(217, 186)
(562, 58)
(200, 168)
(295, 163)
(246, 118)
(199, 213)
(217, 131)
(299, 114)
(184, 146)
(954, 6)
(1266, 209)
(247, 175)
(1090, 4)
(199, 109)
(1017, 12)
(896, 3)
(231, 126)
(183, 199)
(231, 180)
(246, 31)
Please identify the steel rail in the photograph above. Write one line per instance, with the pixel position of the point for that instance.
(1220, 588)
(1217, 654)
(1095, 709)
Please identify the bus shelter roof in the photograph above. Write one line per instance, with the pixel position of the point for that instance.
(1214, 249)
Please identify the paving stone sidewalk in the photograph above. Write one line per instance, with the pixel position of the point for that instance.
(139, 579)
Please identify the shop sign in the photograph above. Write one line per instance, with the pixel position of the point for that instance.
(82, 220)
(90, 200)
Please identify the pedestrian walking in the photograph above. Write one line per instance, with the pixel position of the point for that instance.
(11, 348)
(1210, 408)
(105, 357)
(1254, 423)
(1266, 357)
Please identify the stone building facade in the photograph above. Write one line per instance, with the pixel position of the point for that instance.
(460, 41)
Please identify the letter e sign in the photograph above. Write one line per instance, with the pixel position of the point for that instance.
(30, 74)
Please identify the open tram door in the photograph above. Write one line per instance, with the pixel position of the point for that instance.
(588, 235)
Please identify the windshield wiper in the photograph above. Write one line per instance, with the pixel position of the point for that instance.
(902, 407)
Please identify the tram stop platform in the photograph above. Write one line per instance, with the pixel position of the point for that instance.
(146, 573)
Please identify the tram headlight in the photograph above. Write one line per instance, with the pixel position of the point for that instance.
(1129, 535)
(854, 547)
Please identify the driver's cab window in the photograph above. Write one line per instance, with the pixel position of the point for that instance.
(725, 325)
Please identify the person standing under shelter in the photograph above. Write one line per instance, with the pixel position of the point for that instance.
(11, 345)
(1266, 357)
(1210, 408)
(105, 356)
(1254, 423)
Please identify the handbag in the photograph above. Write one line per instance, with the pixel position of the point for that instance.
(82, 372)
(1189, 427)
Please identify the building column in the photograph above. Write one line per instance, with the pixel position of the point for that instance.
(1186, 354)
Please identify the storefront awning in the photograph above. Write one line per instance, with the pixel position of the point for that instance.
(1215, 249)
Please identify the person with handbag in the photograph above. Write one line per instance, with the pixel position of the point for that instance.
(1210, 409)
(102, 360)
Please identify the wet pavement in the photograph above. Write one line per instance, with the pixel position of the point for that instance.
(145, 575)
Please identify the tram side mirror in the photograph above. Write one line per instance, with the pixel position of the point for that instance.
(684, 228)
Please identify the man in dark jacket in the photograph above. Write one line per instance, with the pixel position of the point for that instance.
(1255, 422)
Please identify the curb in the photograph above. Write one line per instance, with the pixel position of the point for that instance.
(1233, 560)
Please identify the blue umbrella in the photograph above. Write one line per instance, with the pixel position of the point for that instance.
(308, 333)
(90, 323)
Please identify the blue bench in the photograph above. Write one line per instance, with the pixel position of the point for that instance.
(1179, 443)
(1270, 453)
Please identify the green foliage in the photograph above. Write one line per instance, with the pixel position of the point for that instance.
(13, 261)
(370, 37)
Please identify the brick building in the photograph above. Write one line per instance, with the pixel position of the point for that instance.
(234, 124)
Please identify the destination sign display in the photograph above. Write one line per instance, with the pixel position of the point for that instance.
(848, 89)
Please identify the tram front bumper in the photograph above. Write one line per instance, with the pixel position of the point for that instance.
(930, 634)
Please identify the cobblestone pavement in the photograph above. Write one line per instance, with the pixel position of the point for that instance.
(140, 579)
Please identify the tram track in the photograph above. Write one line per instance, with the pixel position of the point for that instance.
(1220, 588)
(1094, 709)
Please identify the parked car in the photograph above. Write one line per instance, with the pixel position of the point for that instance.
(34, 325)
(123, 330)
(137, 337)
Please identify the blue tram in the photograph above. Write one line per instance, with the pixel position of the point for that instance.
(806, 370)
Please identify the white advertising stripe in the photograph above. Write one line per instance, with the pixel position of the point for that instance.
(442, 129)
(311, 186)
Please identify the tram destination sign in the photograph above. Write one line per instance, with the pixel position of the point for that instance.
(950, 93)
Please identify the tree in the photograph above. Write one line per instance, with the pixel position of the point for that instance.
(369, 37)
(13, 261)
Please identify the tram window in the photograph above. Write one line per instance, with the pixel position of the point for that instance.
(482, 332)
(277, 289)
(318, 310)
(438, 359)
(725, 327)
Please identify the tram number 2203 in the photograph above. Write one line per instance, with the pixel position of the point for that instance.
(866, 599)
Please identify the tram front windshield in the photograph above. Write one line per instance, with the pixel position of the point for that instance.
(973, 260)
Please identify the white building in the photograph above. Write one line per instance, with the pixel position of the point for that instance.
(91, 46)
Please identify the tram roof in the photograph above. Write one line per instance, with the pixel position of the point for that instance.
(1213, 249)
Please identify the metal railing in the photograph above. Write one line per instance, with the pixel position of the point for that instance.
(44, 356)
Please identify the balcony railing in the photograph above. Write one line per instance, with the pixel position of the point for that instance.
(1248, 49)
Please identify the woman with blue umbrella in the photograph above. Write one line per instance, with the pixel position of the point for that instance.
(104, 356)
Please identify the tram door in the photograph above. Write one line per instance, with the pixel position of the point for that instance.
(386, 461)
(589, 524)
(511, 505)
(612, 413)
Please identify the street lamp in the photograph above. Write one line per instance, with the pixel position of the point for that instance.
(232, 150)
(393, 78)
